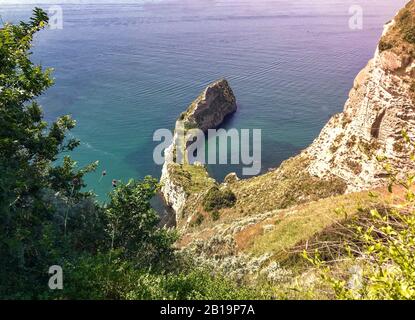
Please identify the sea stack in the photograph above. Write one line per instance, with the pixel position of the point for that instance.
(211, 107)
(208, 111)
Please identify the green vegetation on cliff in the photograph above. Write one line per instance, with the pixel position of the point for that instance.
(287, 186)
(192, 178)
(216, 199)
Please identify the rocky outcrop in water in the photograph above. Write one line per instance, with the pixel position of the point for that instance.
(211, 107)
(208, 111)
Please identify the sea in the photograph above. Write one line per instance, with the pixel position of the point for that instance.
(124, 69)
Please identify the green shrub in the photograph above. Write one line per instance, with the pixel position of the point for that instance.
(384, 45)
(215, 215)
(109, 276)
(382, 250)
(198, 221)
(406, 21)
(217, 199)
(133, 225)
(401, 36)
(34, 186)
(409, 35)
(115, 251)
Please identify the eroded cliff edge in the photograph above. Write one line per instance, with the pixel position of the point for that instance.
(380, 106)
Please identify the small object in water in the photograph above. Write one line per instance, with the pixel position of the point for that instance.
(104, 173)
(114, 183)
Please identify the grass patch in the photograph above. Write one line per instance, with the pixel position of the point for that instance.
(192, 178)
(286, 186)
(307, 221)
(198, 220)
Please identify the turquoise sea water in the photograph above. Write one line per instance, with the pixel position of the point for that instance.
(125, 70)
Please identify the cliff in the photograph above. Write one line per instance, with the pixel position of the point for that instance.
(379, 108)
(182, 180)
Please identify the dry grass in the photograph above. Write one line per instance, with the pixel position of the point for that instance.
(287, 186)
(306, 221)
(284, 187)
(321, 224)
(292, 227)
(401, 37)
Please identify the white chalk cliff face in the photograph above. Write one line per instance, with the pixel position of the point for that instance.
(378, 109)
(173, 193)
(208, 111)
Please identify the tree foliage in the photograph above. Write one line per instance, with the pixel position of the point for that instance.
(29, 151)
(133, 223)
(111, 276)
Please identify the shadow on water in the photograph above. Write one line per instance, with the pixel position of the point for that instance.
(166, 213)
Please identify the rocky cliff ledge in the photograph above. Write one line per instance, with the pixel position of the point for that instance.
(179, 181)
(380, 106)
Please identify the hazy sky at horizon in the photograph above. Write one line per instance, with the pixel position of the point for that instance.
(75, 1)
(316, 6)
(143, 1)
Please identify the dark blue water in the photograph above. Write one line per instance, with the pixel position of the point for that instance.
(124, 70)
